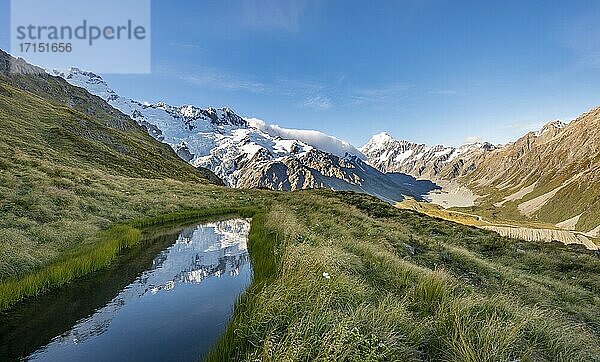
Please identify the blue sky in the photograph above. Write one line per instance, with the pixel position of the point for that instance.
(427, 71)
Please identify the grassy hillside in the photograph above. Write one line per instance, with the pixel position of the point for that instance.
(53, 120)
(58, 162)
(407, 287)
(562, 166)
(75, 190)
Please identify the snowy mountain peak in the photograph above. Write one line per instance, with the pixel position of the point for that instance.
(381, 138)
(188, 114)
(88, 80)
(553, 126)
(316, 139)
(556, 124)
(548, 131)
(76, 71)
(388, 154)
(248, 152)
(383, 141)
(218, 117)
(486, 146)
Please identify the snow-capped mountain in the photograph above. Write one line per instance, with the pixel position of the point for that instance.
(391, 155)
(247, 152)
(552, 174)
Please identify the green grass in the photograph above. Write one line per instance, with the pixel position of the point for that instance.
(461, 295)
(265, 258)
(402, 286)
(93, 257)
(69, 266)
(245, 212)
(67, 173)
(439, 212)
(579, 197)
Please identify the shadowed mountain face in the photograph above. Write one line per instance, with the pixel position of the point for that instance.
(419, 187)
(550, 175)
(243, 155)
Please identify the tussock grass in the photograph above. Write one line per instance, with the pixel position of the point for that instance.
(264, 256)
(70, 266)
(93, 257)
(245, 212)
(387, 302)
(337, 276)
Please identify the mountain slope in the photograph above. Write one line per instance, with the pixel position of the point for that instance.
(552, 175)
(247, 155)
(66, 122)
(64, 154)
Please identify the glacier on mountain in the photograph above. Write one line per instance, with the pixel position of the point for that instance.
(248, 152)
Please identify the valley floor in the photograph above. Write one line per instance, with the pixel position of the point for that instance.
(451, 194)
(518, 229)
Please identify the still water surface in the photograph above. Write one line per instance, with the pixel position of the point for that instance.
(174, 310)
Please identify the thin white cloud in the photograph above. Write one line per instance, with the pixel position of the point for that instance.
(443, 92)
(472, 139)
(379, 95)
(216, 79)
(583, 37)
(317, 102)
(298, 87)
(306, 93)
(187, 46)
(316, 139)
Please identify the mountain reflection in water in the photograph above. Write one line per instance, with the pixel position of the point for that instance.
(167, 292)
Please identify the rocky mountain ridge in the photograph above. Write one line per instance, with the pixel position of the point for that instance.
(533, 177)
(243, 155)
(551, 175)
(419, 160)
